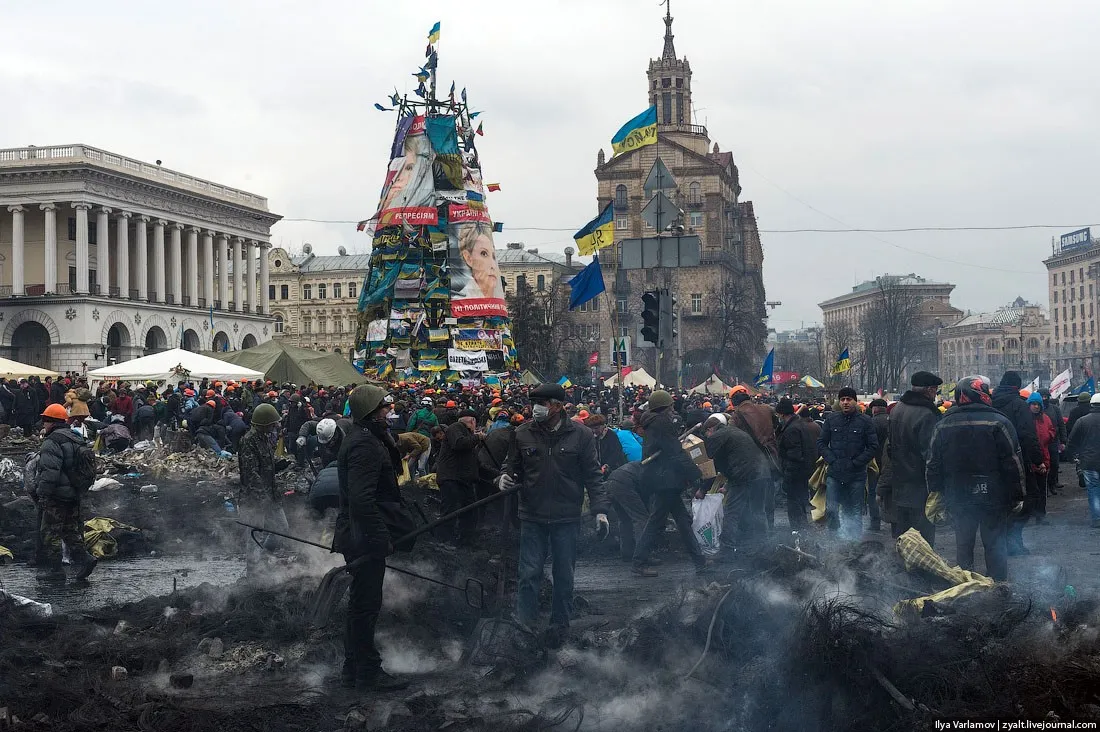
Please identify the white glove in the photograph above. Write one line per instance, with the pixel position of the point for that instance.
(300, 442)
(506, 483)
(603, 527)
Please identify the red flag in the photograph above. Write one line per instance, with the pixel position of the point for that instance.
(479, 130)
(594, 358)
(493, 187)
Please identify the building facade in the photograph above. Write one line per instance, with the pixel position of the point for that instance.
(1073, 288)
(528, 267)
(105, 258)
(702, 243)
(315, 299)
(1016, 337)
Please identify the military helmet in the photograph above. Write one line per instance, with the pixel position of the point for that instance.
(265, 415)
(364, 400)
(659, 399)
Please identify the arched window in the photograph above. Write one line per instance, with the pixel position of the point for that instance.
(540, 283)
(991, 343)
(695, 193)
(1032, 342)
(620, 196)
(278, 323)
(521, 282)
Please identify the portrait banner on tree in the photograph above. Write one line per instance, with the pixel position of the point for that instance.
(476, 290)
(476, 339)
(467, 360)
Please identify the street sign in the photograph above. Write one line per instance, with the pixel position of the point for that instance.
(659, 179)
(660, 212)
(620, 351)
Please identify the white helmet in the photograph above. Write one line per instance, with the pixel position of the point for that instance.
(326, 428)
(427, 402)
(1095, 399)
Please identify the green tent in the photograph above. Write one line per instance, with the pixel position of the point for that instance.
(284, 363)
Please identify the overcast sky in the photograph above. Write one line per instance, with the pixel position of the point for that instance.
(873, 114)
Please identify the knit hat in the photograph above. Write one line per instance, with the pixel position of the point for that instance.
(846, 391)
(1013, 379)
(882, 402)
(784, 407)
(1035, 398)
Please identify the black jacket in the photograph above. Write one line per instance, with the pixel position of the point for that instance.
(672, 468)
(554, 468)
(25, 406)
(199, 417)
(1084, 440)
(494, 451)
(797, 448)
(847, 442)
(1078, 411)
(882, 432)
(736, 455)
(1007, 401)
(365, 467)
(911, 425)
(57, 392)
(609, 451)
(974, 458)
(457, 455)
(56, 459)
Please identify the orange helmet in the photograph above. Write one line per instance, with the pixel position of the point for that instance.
(56, 411)
(1025, 393)
(450, 405)
(706, 405)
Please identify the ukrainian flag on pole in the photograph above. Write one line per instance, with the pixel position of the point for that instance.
(843, 363)
(433, 34)
(638, 132)
(597, 233)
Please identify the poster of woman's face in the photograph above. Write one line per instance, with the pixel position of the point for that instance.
(409, 182)
(476, 290)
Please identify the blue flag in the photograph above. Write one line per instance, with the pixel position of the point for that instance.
(765, 375)
(211, 318)
(1089, 387)
(587, 284)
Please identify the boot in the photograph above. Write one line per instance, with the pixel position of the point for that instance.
(379, 680)
(1016, 546)
(347, 674)
(86, 563)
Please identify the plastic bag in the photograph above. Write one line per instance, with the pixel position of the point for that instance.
(706, 522)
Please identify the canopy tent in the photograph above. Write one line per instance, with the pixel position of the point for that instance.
(530, 378)
(713, 385)
(811, 382)
(173, 365)
(637, 377)
(286, 364)
(14, 370)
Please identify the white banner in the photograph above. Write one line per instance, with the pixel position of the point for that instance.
(1060, 384)
(1034, 385)
(467, 360)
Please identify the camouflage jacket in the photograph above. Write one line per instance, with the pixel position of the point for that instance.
(256, 458)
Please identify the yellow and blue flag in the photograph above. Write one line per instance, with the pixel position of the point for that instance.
(597, 233)
(433, 34)
(767, 369)
(564, 382)
(638, 132)
(843, 363)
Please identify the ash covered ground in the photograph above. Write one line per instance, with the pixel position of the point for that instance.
(778, 639)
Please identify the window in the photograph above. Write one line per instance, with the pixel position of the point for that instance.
(336, 290)
(351, 289)
(540, 283)
(322, 325)
(1081, 274)
(321, 289)
(72, 229)
(679, 83)
(666, 107)
(695, 194)
(307, 293)
(648, 225)
(1055, 278)
(1071, 274)
(679, 108)
(622, 225)
(1065, 331)
(1063, 278)
(339, 325)
(1073, 311)
(307, 325)
(278, 323)
(696, 303)
(1082, 293)
(695, 219)
(1072, 294)
(284, 292)
(1090, 289)
(1056, 294)
(621, 197)
(666, 83)
(1055, 314)
(620, 305)
(271, 292)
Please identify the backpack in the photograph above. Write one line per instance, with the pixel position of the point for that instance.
(30, 476)
(82, 473)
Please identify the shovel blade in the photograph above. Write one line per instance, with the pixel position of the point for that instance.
(329, 592)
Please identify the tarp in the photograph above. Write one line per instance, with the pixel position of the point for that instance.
(637, 377)
(283, 364)
(713, 385)
(14, 370)
(529, 377)
(174, 365)
(811, 382)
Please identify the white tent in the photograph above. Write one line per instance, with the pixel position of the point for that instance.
(14, 370)
(637, 377)
(173, 365)
(713, 385)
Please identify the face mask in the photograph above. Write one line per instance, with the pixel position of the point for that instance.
(540, 412)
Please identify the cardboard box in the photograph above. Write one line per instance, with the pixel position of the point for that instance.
(695, 448)
(707, 468)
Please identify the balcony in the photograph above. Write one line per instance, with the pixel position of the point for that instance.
(246, 308)
(5, 291)
(690, 129)
(217, 304)
(93, 288)
(202, 302)
(185, 300)
(114, 292)
(170, 298)
(693, 201)
(35, 290)
(135, 294)
(153, 296)
(230, 306)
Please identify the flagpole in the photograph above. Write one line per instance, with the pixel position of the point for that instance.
(614, 338)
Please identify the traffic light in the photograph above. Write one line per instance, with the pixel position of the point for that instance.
(666, 329)
(651, 316)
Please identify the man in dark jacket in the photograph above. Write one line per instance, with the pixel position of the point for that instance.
(58, 499)
(882, 427)
(910, 432)
(848, 443)
(1084, 442)
(25, 407)
(974, 463)
(456, 471)
(1052, 410)
(748, 475)
(1080, 409)
(630, 500)
(665, 478)
(553, 460)
(798, 455)
(1007, 400)
(609, 451)
(258, 498)
(365, 467)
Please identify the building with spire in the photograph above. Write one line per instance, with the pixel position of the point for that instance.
(680, 223)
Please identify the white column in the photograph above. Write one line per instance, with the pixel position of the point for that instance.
(177, 263)
(223, 271)
(49, 251)
(18, 287)
(103, 250)
(123, 265)
(141, 245)
(193, 266)
(238, 274)
(250, 259)
(208, 267)
(265, 300)
(82, 247)
(158, 258)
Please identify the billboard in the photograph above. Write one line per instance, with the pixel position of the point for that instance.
(1075, 240)
(476, 289)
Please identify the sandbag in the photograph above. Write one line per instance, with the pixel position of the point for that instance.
(706, 522)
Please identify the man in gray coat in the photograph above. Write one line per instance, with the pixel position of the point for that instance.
(910, 428)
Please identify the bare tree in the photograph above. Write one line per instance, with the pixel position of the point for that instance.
(891, 333)
(838, 336)
(741, 325)
(540, 328)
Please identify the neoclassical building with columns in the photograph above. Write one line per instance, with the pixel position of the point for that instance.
(104, 258)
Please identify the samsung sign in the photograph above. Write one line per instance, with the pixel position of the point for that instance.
(1076, 239)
